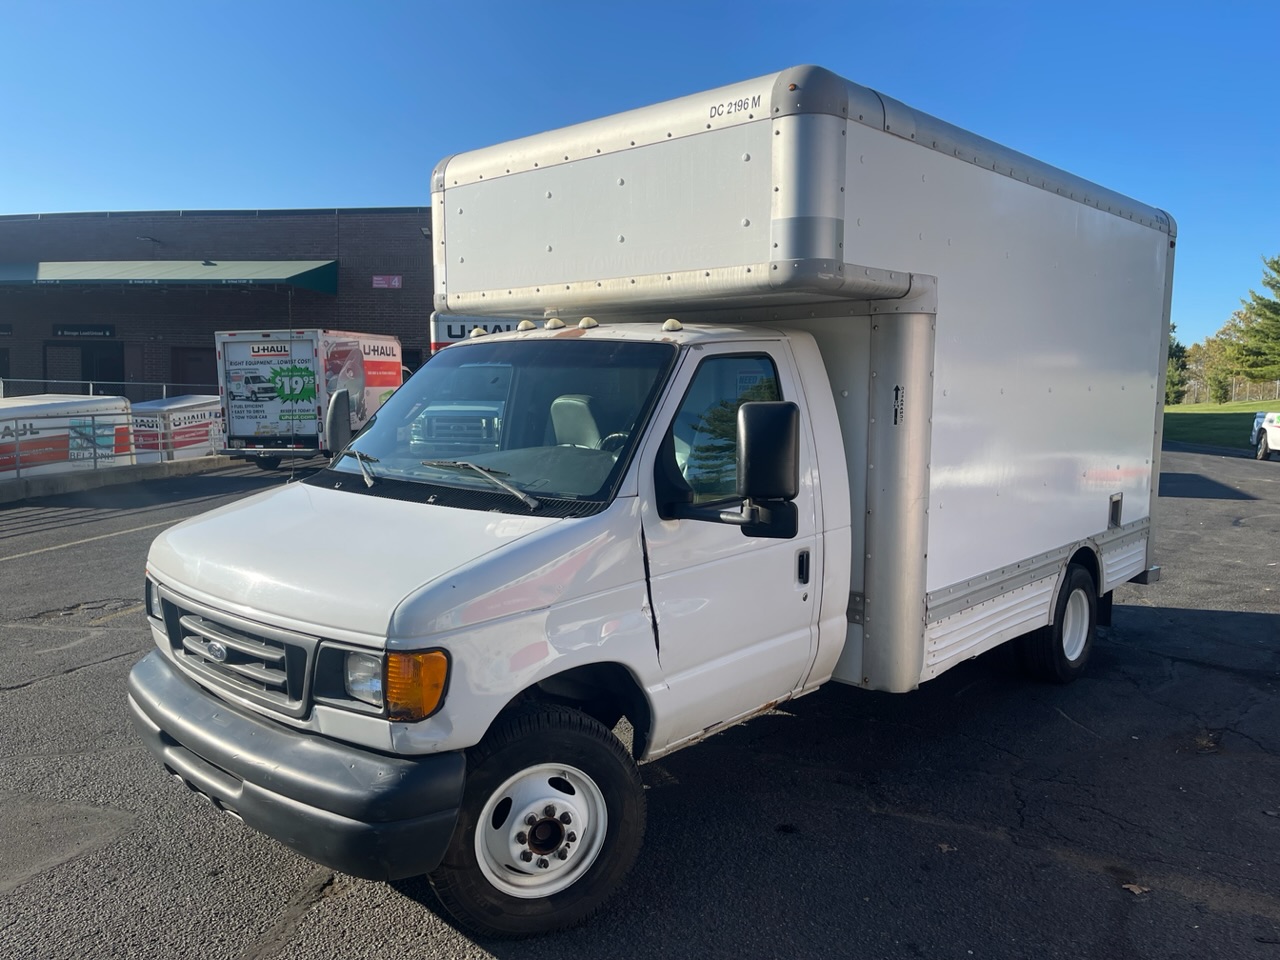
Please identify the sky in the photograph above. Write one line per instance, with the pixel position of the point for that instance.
(175, 105)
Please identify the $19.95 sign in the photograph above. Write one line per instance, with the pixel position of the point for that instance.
(294, 384)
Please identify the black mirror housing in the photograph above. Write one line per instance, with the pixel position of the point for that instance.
(769, 450)
(337, 422)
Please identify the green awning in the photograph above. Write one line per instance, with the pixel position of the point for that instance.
(318, 275)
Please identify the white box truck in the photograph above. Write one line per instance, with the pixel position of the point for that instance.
(811, 386)
(277, 386)
(450, 328)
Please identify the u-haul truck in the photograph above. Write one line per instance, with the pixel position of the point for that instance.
(809, 386)
(276, 387)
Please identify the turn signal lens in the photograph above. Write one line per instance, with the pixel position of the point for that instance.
(415, 684)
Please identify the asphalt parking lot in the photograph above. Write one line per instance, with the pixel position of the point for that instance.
(1133, 814)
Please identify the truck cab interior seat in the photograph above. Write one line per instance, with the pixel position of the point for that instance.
(574, 421)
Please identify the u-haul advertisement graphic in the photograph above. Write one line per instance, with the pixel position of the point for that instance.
(368, 369)
(271, 387)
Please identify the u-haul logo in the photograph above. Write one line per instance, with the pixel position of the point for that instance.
(269, 350)
(379, 350)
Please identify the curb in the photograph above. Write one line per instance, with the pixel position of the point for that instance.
(12, 491)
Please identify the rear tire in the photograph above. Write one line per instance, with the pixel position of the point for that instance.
(1264, 449)
(266, 463)
(562, 770)
(1059, 652)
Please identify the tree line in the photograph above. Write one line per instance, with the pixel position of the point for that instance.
(1239, 362)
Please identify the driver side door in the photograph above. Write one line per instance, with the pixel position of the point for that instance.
(736, 615)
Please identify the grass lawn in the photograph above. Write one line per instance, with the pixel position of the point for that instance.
(1215, 424)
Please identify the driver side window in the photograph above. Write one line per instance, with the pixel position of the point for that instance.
(705, 429)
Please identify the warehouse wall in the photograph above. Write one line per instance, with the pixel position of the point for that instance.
(166, 331)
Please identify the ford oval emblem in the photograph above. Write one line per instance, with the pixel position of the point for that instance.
(216, 651)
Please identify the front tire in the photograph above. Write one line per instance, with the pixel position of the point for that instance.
(1059, 652)
(1264, 449)
(552, 820)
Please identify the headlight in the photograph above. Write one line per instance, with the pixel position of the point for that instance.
(151, 597)
(363, 677)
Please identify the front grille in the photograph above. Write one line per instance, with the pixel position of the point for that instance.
(265, 665)
(460, 428)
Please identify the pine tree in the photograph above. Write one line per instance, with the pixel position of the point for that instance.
(1259, 352)
(1175, 381)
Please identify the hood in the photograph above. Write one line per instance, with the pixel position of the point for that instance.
(325, 562)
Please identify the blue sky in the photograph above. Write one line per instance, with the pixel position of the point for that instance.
(271, 104)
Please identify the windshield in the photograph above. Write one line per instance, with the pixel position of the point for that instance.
(523, 423)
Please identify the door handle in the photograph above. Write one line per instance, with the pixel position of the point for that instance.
(802, 566)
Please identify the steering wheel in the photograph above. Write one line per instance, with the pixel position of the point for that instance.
(613, 442)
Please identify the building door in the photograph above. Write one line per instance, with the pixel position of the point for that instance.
(194, 370)
(102, 364)
(4, 363)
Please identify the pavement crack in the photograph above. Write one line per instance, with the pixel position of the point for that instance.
(318, 884)
(70, 670)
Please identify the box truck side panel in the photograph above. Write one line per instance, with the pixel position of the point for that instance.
(610, 218)
(1046, 367)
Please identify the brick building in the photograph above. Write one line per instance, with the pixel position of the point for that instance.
(135, 297)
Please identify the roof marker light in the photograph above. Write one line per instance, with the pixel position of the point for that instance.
(524, 326)
(672, 325)
(478, 332)
(586, 323)
(555, 323)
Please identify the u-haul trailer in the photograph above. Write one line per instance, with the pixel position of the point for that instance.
(809, 386)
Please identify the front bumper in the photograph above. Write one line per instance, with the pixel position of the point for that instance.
(367, 814)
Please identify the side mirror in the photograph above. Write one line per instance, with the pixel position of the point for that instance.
(337, 421)
(769, 450)
(768, 456)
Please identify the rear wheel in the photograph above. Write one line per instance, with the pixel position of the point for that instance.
(266, 463)
(1058, 652)
(552, 820)
(1264, 449)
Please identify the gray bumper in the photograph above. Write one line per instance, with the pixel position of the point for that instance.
(363, 813)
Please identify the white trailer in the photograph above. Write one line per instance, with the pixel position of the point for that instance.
(63, 433)
(177, 428)
(277, 386)
(810, 386)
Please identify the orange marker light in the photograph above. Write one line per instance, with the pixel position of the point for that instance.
(415, 684)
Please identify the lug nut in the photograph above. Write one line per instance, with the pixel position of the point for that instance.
(526, 856)
(530, 820)
(572, 837)
(565, 818)
(543, 862)
(549, 810)
(522, 837)
(564, 853)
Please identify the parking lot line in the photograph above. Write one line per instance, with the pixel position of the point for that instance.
(105, 536)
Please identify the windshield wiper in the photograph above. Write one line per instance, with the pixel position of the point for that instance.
(493, 476)
(362, 458)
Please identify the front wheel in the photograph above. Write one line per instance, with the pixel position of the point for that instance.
(1264, 449)
(552, 819)
(1058, 653)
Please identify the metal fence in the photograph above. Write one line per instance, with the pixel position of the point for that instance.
(133, 392)
(76, 440)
